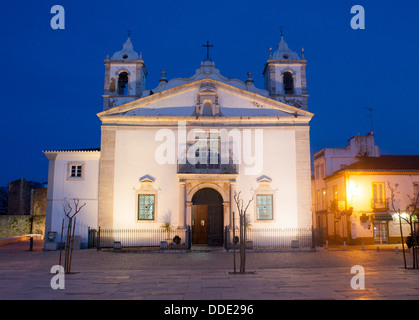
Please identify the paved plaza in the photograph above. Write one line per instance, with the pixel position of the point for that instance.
(207, 275)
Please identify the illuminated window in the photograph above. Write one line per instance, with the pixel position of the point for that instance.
(264, 207)
(378, 194)
(146, 206)
(334, 203)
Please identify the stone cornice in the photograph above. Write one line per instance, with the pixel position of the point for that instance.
(268, 102)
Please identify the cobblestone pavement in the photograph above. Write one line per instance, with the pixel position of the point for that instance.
(321, 274)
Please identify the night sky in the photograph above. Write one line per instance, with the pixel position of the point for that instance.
(52, 80)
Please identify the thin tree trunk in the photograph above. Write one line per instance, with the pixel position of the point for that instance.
(234, 242)
(244, 246)
(241, 245)
(401, 233)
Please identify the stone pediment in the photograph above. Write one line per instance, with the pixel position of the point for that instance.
(205, 98)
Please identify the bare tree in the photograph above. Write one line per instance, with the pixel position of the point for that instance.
(242, 213)
(411, 212)
(71, 226)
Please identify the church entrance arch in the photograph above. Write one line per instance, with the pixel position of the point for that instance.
(207, 217)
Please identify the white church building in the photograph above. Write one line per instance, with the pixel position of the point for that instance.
(179, 152)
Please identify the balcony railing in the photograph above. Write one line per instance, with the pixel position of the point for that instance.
(379, 204)
(229, 168)
(334, 205)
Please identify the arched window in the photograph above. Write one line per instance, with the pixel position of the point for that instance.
(122, 83)
(288, 79)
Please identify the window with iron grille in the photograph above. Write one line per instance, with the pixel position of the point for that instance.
(146, 206)
(264, 203)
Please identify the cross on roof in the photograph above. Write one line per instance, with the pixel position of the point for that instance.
(208, 46)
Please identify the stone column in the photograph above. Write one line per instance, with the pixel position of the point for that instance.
(227, 219)
(182, 206)
(188, 212)
(106, 178)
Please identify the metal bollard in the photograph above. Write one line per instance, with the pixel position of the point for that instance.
(327, 244)
(397, 249)
(378, 249)
(344, 245)
(363, 247)
(31, 244)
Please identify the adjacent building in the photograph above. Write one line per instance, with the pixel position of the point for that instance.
(352, 199)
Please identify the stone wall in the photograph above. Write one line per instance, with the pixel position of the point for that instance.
(17, 225)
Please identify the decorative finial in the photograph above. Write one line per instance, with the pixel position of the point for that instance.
(302, 53)
(270, 53)
(129, 33)
(281, 29)
(249, 77)
(163, 76)
(107, 55)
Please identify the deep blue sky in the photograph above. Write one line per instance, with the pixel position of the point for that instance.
(52, 80)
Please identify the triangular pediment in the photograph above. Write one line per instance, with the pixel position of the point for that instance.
(185, 100)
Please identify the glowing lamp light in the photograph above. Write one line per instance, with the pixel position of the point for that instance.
(352, 191)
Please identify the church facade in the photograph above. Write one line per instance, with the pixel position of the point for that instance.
(180, 152)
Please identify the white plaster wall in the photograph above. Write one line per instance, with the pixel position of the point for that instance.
(135, 158)
(61, 189)
(279, 164)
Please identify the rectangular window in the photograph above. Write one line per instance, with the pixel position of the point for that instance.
(334, 204)
(264, 207)
(378, 194)
(318, 200)
(207, 152)
(322, 173)
(76, 171)
(146, 206)
(416, 194)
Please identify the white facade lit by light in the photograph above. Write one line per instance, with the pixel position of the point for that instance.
(189, 142)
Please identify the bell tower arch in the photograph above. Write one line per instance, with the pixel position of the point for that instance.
(125, 75)
(285, 76)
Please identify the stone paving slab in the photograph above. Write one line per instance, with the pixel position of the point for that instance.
(207, 276)
(205, 285)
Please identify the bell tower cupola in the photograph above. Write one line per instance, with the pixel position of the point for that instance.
(125, 75)
(285, 76)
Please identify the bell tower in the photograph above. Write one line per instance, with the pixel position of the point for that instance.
(125, 75)
(285, 76)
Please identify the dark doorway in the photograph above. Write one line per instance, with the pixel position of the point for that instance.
(207, 218)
